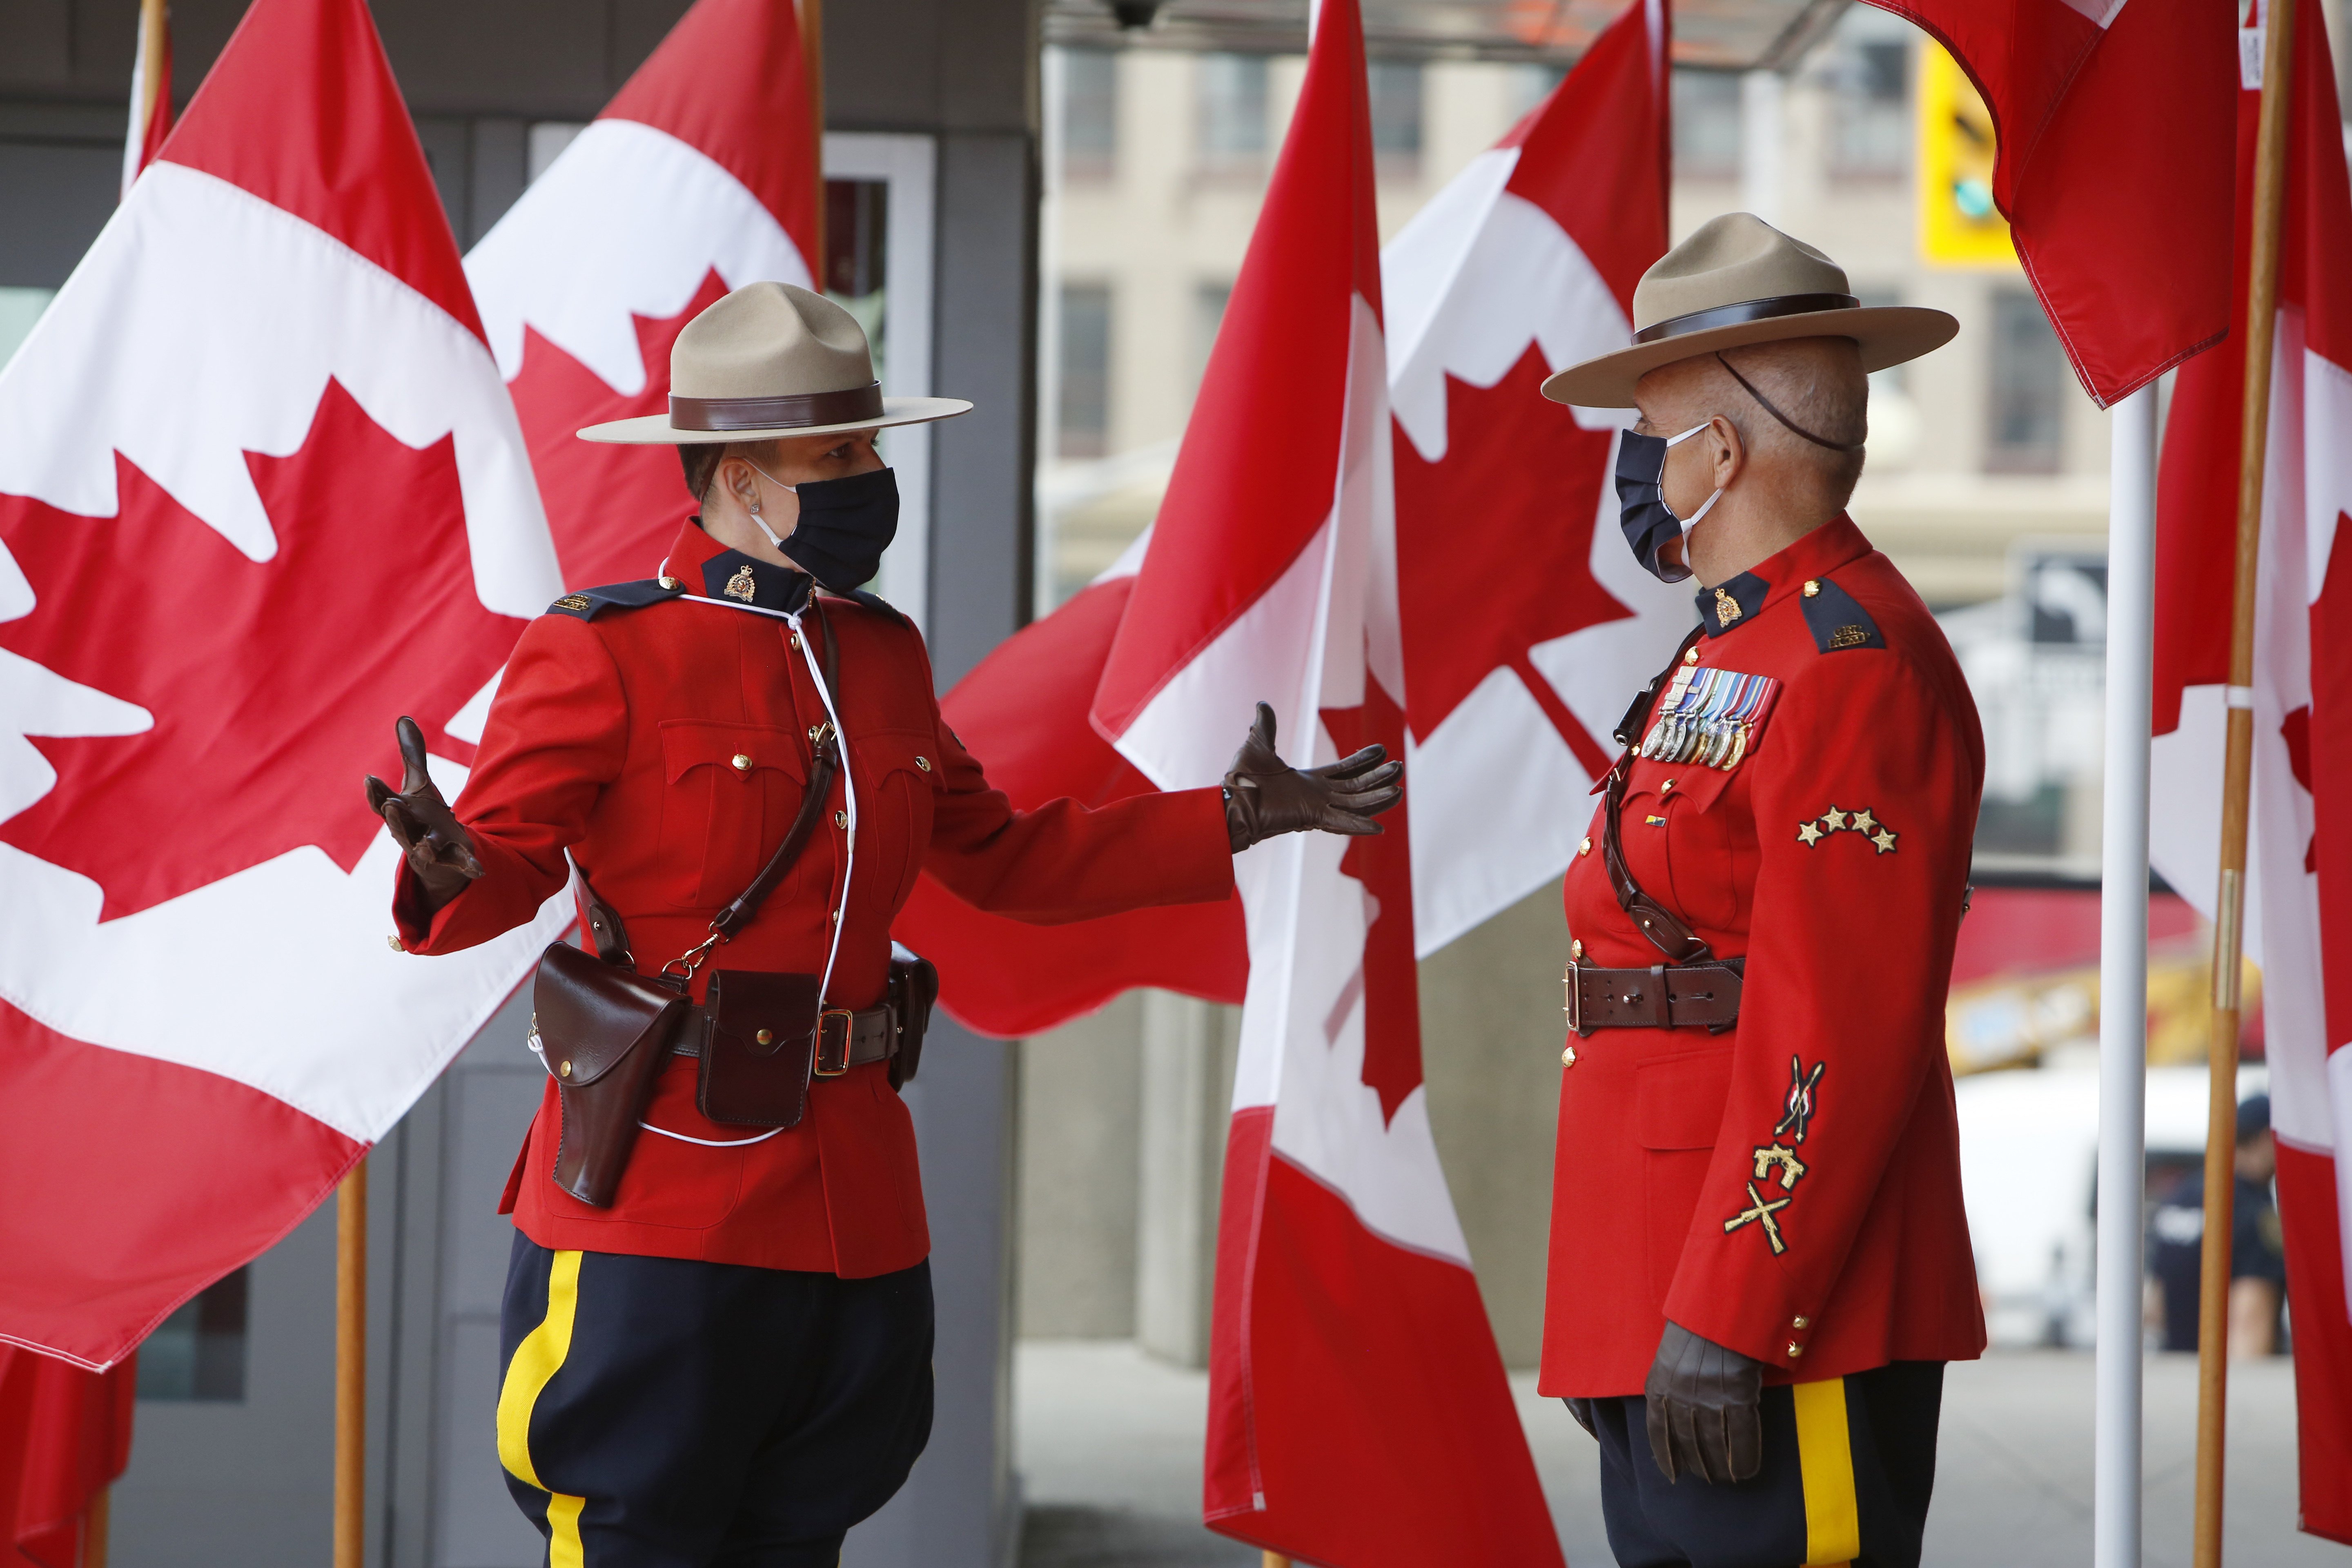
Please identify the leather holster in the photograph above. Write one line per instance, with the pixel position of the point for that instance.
(914, 991)
(606, 1031)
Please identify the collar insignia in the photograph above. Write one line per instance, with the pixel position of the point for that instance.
(743, 585)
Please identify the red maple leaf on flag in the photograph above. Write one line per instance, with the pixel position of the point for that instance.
(1390, 981)
(612, 508)
(272, 684)
(1512, 567)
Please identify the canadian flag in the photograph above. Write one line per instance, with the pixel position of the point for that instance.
(1358, 1412)
(701, 175)
(261, 490)
(2112, 166)
(2299, 855)
(1526, 623)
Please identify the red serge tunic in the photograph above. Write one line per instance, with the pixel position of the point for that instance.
(1833, 856)
(621, 735)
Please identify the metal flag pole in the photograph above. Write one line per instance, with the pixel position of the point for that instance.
(811, 20)
(351, 1368)
(2123, 981)
(2229, 918)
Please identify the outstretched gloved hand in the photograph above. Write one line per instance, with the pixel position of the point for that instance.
(430, 835)
(1265, 795)
(1702, 1403)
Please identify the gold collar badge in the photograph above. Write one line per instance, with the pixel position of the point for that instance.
(743, 585)
(1727, 608)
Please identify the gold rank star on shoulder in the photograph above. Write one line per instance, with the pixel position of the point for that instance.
(1866, 822)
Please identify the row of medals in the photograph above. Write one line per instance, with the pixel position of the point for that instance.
(1718, 741)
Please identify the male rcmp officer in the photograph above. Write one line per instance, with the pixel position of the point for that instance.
(730, 1362)
(1759, 1261)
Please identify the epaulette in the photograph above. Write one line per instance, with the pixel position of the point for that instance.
(1838, 622)
(589, 603)
(877, 604)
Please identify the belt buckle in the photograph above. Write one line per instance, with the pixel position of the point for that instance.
(825, 1035)
(1575, 1008)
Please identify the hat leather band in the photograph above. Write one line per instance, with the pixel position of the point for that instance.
(785, 411)
(1744, 311)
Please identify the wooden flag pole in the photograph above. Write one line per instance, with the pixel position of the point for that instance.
(812, 17)
(2229, 928)
(350, 1369)
(1276, 1560)
(154, 19)
(96, 1522)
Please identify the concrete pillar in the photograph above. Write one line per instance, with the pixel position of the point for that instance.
(1189, 1048)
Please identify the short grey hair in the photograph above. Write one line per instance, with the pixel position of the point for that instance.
(1817, 385)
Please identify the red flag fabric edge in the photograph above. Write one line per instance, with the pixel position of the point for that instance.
(64, 1436)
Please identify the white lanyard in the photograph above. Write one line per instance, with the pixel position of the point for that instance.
(849, 868)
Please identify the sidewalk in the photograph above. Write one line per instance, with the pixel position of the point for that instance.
(1108, 1442)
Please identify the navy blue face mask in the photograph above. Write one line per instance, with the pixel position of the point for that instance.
(1650, 524)
(844, 526)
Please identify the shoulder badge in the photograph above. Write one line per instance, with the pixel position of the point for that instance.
(1837, 621)
(589, 603)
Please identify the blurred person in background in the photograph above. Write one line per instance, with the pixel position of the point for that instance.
(2257, 1258)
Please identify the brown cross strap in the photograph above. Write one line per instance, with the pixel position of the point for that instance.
(1665, 930)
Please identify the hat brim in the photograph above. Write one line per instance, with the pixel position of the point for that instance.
(1888, 335)
(656, 430)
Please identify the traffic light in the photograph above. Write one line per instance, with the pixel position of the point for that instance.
(1959, 225)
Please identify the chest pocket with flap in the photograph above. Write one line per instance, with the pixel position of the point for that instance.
(730, 792)
(897, 778)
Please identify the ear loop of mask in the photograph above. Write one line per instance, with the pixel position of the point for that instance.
(1691, 520)
(774, 542)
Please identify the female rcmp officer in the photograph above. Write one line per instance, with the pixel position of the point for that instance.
(731, 1364)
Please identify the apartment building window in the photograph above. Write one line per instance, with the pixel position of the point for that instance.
(1084, 417)
(1869, 70)
(1208, 315)
(1230, 112)
(1707, 123)
(1396, 117)
(1089, 113)
(2025, 430)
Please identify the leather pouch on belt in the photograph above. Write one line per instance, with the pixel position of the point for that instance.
(606, 1032)
(759, 1044)
(914, 989)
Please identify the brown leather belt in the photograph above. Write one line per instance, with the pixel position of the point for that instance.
(1663, 996)
(844, 1040)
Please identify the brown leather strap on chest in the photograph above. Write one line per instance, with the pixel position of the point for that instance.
(1667, 930)
(605, 924)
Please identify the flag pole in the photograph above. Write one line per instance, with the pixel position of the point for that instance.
(1276, 1560)
(351, 1368)
(2123, 982)
(2228, 920)
(812, 19)
(96, 1522)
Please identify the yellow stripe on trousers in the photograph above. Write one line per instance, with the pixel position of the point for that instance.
(535, 1361)
(1825, 1459)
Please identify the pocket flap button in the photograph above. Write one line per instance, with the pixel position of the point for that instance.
(924, 763)
(742, 762)
(766, 1036)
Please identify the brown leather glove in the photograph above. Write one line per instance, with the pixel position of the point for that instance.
(1582, 1410)
(435, 843)
(1701, 1399)
(1265, 795)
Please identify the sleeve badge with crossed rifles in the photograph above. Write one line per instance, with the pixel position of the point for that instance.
(1777, 1158)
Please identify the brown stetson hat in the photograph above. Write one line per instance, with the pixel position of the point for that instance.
(1739, 280)
(772, 360)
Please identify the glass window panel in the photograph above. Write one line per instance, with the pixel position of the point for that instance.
(198, 1352)
(1230, 127)
(1707, 123)
(1084, 417)
(1396, 116)
(1089, 113)
(19, 309)
(2026, 431)
(1869, 78)
(856, 247)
